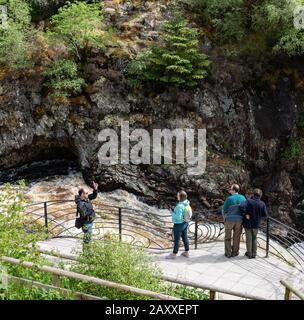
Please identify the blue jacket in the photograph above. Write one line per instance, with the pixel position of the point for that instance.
(179, 211)
(256, 209)
(231, 209)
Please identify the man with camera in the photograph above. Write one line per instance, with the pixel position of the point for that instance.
(86, 211)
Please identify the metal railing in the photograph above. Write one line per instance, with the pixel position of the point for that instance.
(154, 230)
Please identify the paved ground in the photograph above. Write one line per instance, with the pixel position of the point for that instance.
(208, 266)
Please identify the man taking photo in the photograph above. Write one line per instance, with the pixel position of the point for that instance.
(86, 211)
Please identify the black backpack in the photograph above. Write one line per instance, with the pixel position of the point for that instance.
(79, 222)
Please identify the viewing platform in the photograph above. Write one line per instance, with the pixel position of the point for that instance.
(280, 248)
(207, 266)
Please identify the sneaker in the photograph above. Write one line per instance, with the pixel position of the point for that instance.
(227, 255)
(185, 254)
(171, 256)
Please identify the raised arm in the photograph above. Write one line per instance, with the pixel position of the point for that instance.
(93, 195)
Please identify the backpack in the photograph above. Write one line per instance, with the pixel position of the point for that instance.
(187, 214)
(80, 221)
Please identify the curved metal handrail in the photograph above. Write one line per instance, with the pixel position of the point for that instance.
(277, 237)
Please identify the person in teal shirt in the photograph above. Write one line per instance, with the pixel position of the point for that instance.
(233, 221)
(181, 216)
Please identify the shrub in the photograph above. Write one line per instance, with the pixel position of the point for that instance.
(62, 78)
(79, 25)
(119, 262)
(294, 149)
(21, 292)
(188, 293)
(291, 44)
(15, 241)
(176, 59)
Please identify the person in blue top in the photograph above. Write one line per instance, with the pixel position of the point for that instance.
(233, 221)
(181, 216)
(254, 210)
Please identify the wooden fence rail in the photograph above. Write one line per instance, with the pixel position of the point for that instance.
(63, 291)
(213, 290)
(290, 290)
(73, 275)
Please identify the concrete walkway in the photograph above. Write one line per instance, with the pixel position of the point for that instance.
(208, 266)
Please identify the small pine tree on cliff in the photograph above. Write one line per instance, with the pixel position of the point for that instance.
(176, 59)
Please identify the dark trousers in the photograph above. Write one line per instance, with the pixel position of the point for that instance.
(180, 231)
(251, 241)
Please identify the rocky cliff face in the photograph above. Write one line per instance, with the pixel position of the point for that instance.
(248, 125)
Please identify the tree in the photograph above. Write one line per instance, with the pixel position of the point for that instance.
(79, 25)
(16, 39)
(236, 22)
(228, 17)
(176, 59)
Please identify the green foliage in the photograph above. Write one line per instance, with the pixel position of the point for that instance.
(176, 59)
(273, 17)
(227, 18)
(294, 149)
(295, 146)
(118, 262)
(238, 24)
(16, 40)
(15, 240)
(21, 292)
(291, 44)
(62, 78)
(189, 293)
(78, 25)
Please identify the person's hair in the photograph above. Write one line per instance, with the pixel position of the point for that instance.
(258, 192)
(235, 188)
(182, 195)
(80, 191)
